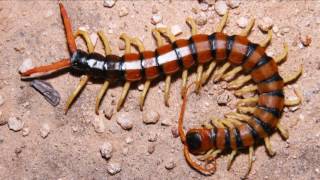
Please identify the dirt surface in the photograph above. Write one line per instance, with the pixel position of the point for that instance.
(71, 150)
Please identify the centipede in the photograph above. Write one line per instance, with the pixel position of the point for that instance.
(231, 58)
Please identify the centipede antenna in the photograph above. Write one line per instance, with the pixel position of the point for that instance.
(101, 93)
(250, 161)
(231, 158)
(293, 76)
(240, 81)
(144, 93)
(248, 28)
(68, 29)
(281, 57)
(83, 81)
(283, 131)
(268, 146)
(219, 73)
(231, 74)
(246, 89)
(267, 40)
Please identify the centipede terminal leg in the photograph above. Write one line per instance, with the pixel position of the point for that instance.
(268, 146)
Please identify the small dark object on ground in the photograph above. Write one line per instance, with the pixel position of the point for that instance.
(46, 89)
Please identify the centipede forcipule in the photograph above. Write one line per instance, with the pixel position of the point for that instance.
(234, 52)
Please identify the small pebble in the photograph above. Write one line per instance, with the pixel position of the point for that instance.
(129, 140)
(233, 3)
(156, 19)
(106, 150)
(275, 29)
(125, 121)
(285, 30)
(25, 131)
(175, 132)
(152, 136)
(151, 148)
(98, 125)
(154, 9)
(44, 130)
(123, 12)
(204, 6)
(26, 65)
(201, 19)
(150, 117)
(113, 168)
(223, 99)
(166, 122)
(176, 30)
(221, 7)
(108, 113)
(170, 164)
(109, 3)
(1, 100)
(243, 22)
(141, 87)
(304, 39)
(265, 24)
(15, 124)
(3, 120)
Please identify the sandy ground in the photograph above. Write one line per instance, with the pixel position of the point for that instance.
(33, 29)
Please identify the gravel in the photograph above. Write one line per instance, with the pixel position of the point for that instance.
(109, 3)
(123, 12)
(151, 148)
(15, 124)
(233, 3)
(26, 65)
(98, 125)
(170, 164)
(3, 121)
(108, 113)
(242, 22)
(304, 39)
(106, 150)
(44, 130)
(113, 168)
(1, 100)
(150, 117)
(152, 136)
(125, 121)
(156, 19)
(129, 140)
(265, 24)
(25, 131)
(201, 19)
(221, 7)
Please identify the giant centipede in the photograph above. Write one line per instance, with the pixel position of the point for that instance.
(240, 130)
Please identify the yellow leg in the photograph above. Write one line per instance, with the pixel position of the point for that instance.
(190, 21)
(210, 155)
(167, 90)
(240, 81)
(86, 37)
(198, 78)
(231, 74)
(124, 93)
(294, 76)
(267, 40)
(235, 115)
(208, 72)
(246, 89)
(144, 93)
(268, 146)
(250, 161)
(219, 73)
(248, 29)
(83, 81)
(230, 159)
(222, 22)
(278, 59)
(216, 122)
(245, 110)
(247, 101)
(105, 42)
(283, 131)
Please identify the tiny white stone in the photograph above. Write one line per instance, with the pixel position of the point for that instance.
(98, 125)
(15, 124)
(170, 164)
(123, 12)
(223, 99)
(242, 22)
(106, 150)
(221, 7)
(141, 87)
(129, 140)
(113, 168)
(108, 113)
(204, 6)
(44, 130)
(125, 121)
(150, 117)
(201, 19)
(25, 131)
(156, 19)
(1, 100)
(152, 136)
(109, 3)
(233, 3)
(176, 30)
(265, 24)
(26, 65)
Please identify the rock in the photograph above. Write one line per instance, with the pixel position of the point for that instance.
(25, 131)
(223, 99)
(304, 39)
(221, 7)
(150, 117)
(1, 100)
(3, 121)
(109, 3)
(129, 140)
(233, 3)
(151, 148)
(98, 125)
(170, 164)
(156, 19)
(204, 6)
(175, 132)
(176, 30)
(201, 19)
(141, 87)
(125, 121)
(44, 130)
(123, 12)
(242, 22)
(265, 24)
(108, 113)
(166, 122)
(26, 65)
(152, 136)
(15, 124)
(113, 168)
(106, 150)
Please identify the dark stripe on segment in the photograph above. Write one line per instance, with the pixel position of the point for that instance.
(193, 49)
(160, 69)
(275, 77)
(251, 48)
(262, 61)
(275, 112)
(238, 138)
(227, 143)
(213, 136)
(264, 125)
(178, 54)
(229, 44)
(141, 64)
(213, 44)
(253, 132)
(278, 93)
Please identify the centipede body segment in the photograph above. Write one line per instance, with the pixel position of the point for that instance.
(225, 56)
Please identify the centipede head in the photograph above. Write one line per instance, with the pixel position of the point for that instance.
(199, 141)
